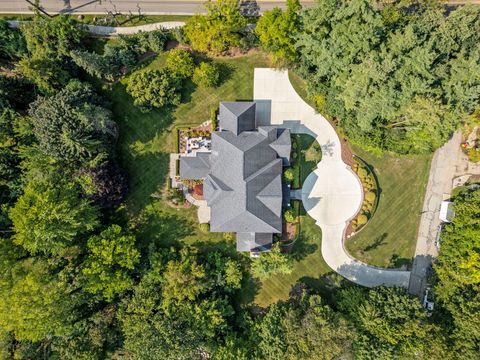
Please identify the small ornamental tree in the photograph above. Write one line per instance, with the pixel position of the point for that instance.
(180, 63)
(206, 75)
(289, 216)
(155, 88)
(289, 175)
(105, 185)
(112, 256)
(271, 263)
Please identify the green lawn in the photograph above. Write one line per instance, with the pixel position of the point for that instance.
(309, 267)
(305, 158)
(389, 239)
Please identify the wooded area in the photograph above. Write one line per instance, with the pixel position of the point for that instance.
(80, 278)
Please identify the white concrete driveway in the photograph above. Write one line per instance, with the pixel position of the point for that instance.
(332, 194)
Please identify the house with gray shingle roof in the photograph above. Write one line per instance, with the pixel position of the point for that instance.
(243, 176)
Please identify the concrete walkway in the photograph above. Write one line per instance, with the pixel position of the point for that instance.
(332, 194)
(123, 30)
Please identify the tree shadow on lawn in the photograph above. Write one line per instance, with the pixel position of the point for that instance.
(161, 229)
(137, 124)
(380, 240)
(302, 247)
(326, 285)
(397, 262)
(147, 175)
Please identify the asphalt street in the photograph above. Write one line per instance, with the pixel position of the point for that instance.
(152, 7)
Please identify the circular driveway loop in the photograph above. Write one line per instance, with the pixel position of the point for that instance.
(332, 194)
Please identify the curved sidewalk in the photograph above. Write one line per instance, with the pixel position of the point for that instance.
(121, 30)
(332, 194)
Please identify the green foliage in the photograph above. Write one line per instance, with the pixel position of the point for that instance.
(155, 88)
(458, 272)
(277, 29)
(289, 216)
(9, 159)
(213, 117)
(36, 304)
(50, 216)
(303, 328)
(370, 197)
(180, 63)
(46, 73)
(397, 82)
(12, 43)
(459, 259)
(205, 227)
(180, 306)
(49, 42)
(289, 175)
(207, 75)
(111, 257)
(218, 30)
(391, 323)
(52, 38)
(271, 263)
(94, 64)
(362, 219)
(71, 126)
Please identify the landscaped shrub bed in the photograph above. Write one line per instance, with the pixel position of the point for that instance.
(370, 192)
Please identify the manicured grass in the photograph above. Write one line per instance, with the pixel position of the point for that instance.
(147, 138)
(308, 154)
(389, 239)
(309, 267)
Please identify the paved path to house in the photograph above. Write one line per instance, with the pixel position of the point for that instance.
(332, 193)
(124, 30)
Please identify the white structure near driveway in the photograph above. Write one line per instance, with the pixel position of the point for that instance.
(332, 194)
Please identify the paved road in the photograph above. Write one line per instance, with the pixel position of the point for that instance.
(442, 171)
(448, 164)
(152, 7)
(332, 194)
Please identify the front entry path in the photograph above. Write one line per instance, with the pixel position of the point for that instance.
(332, 194)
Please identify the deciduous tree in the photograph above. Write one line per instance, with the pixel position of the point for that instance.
(112, 256)
(218, 30)
(50, 216)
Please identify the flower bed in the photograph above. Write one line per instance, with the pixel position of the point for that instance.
(370, 192)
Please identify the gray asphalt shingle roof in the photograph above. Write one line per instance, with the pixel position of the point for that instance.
(237, 116)
(195, 167)
(243, 177)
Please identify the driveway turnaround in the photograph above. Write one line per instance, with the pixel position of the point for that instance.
(332, 193)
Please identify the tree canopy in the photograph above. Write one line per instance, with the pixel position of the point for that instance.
(218, 30)
(48, 218)
(276, 30)
(111, 256)
(395, 83)
(72, 126)
(156, 88)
